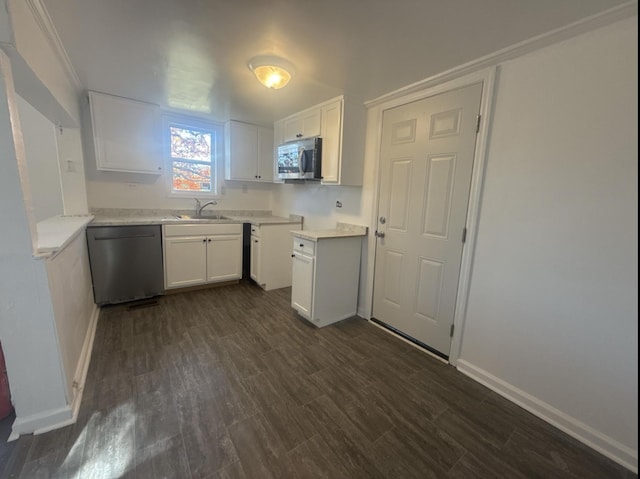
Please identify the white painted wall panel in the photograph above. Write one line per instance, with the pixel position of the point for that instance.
(553, 300)
(42, 161)
(35, 47)
(71, 292)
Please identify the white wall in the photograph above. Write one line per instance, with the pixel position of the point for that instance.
(70, 155)
(42, 161)
(552, 316)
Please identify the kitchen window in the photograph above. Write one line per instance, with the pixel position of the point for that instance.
(193, 153)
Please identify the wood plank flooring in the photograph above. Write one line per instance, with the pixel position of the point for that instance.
(229, 383)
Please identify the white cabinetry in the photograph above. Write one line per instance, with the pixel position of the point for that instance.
(248, 152)
(327, 121)
(197, 254)
(271, 254)
(325, 276)
(126, 134)
(332, 142)
(305, 124)
(278, 139)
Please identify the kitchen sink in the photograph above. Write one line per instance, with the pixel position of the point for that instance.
(203, 217)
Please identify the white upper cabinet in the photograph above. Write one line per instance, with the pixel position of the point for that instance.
(305, 124)
(327, 121)
(248, 152)
(126, 134)
(331, 142)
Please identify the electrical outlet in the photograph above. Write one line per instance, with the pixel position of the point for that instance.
(338, 204)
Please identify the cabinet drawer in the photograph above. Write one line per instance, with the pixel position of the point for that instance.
(202, 229)
(304, 246)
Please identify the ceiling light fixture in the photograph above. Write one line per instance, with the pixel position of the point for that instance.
(273, 72)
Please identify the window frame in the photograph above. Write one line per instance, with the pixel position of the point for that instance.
(217, 153)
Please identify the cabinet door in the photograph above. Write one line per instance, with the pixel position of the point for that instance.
(302, 284)
(303, 125)
(185, 261)
(224, 258)
(126, 134)
(255, 259)
(265, 155)
(331, 142)
(241, 151)
(278, 139)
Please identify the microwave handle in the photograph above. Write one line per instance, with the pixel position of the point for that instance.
(301, 159)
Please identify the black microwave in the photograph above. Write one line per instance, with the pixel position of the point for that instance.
(300, 159)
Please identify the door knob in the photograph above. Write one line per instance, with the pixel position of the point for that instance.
(379, 234)
(382, 220)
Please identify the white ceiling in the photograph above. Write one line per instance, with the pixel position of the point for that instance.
(192, 54)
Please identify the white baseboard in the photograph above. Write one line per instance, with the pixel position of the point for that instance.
(80, 376)
(584, 433)
(41, 422)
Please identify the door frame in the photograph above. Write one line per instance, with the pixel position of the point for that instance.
(409, 94)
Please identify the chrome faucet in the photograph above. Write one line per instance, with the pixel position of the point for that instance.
(200, 208)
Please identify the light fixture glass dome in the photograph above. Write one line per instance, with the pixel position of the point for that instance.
(273, 72)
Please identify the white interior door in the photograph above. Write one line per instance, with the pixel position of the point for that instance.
(426, 161)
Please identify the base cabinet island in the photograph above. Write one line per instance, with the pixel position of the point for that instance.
(326, 272)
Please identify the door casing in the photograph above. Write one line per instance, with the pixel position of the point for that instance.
(374, 137)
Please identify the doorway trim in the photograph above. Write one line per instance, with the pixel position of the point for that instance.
(487, 77)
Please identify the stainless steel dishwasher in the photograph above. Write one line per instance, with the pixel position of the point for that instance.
(126, 262)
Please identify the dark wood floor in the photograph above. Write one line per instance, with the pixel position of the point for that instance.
(230, 383)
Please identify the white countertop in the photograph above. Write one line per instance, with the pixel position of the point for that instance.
(130, 220)
(57, 232)
(342, 230)
(171, 219)
(123, 217)
(266, 220)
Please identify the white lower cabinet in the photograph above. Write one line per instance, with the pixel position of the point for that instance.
(271, 254)
(325, 278)
(197, 254)
(302, 283)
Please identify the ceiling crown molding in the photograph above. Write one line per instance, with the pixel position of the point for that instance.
(43, 20)
(612, 15)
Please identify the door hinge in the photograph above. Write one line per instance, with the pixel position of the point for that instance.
(464, 234)
(478, 123)
(451, 331)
